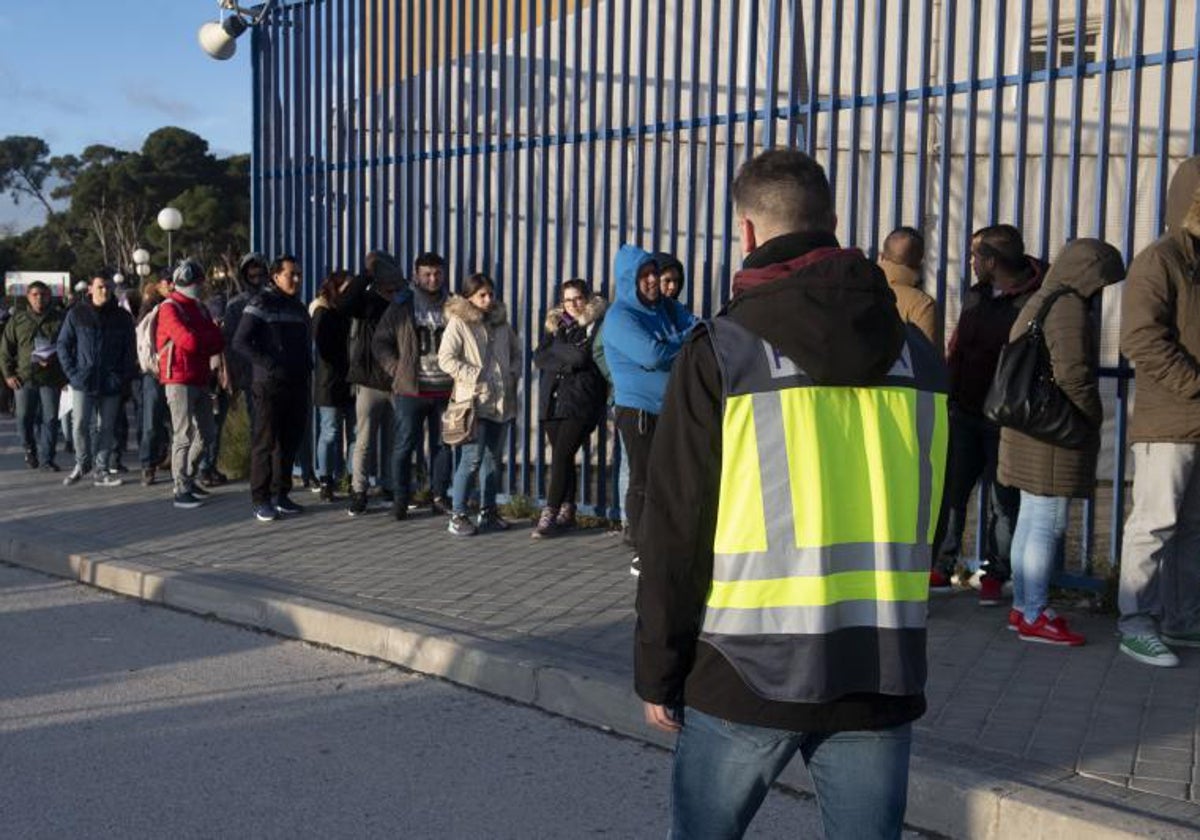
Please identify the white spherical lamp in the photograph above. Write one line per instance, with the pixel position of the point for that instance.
(170, 219)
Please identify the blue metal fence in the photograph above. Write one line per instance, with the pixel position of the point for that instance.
(529, 138)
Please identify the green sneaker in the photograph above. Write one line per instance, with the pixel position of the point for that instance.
(1182, 639)
(1149, 650)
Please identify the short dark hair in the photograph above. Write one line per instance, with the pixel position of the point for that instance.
(787, 187)
(578, 285)
(430, 260)
(37, 284)
(905, 245)
(474, 282)
(329, 286)
(277, 263)
(1004, 244)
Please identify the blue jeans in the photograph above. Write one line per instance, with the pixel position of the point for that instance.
(331, 454)
(408, 414)
(37, 419)
(152, 446)
(723, 771)
(482, 456)
(94, 441)
(1037, 543)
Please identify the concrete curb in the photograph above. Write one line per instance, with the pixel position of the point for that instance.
(952, 791)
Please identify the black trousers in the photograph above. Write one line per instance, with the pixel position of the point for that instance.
(637, 433)
(566, 438)
(278, 425)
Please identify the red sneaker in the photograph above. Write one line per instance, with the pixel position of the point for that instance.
(1015, 617)
(939, 581)
(991, 591)
(1049, 629)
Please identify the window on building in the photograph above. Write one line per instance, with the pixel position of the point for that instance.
(1038, 57)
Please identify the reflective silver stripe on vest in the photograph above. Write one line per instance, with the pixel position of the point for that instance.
(926, 420)
(820, 561)
(888, 615)
(775, 474)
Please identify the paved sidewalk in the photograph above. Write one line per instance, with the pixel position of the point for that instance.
(1020, 739)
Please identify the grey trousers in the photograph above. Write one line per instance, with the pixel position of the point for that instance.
(1160, 555)
(94, 417)
(372, 436)
(192, 429)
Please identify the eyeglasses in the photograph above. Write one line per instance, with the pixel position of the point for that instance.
(575, 299)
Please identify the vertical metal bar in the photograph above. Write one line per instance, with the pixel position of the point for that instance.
(523, 232)
(472, 199)
(946, 158)
(969, 150)
(898, 133)
(639, 127)
(382, 129)
(1194, 144)
(593, 126)
(404, 128)
(609, 145)
(446, 112)
(656, 179)
(341, 110)
(420, 82)
(489, 12)
(623, 142)
(1132, 133)
(731, 108)
(691, 227)
(437, 102)
(366, 121)
(920, 190)
(796, 72)
(677, 130)
(1018, 196)
(855, 128)
(835, 88)
(501, 160)
(1104, 124)
(997, 121)
(751, 88)
(706, 281)
(356, 106)
(564, 185)
(463, 219)
(257, 108)
(306, 180)
(576, 148)
(1164, 115)
(320, 129)
(773, 26)
(286, 241)
(874, 197)
(1049, 128)
(1071, 222)
(542, 288)
(812, 95)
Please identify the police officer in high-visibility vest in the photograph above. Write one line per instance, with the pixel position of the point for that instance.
(793, 490)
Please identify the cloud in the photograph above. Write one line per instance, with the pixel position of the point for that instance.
(15, 89)
(148, 100)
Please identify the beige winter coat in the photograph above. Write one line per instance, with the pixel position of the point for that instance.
(472, 334)
(915, 307)
(1087, 266)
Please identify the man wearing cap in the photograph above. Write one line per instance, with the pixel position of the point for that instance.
(97, 351)
(186, 340)
(274, 333)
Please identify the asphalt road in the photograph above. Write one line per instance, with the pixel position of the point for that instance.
(123, 720)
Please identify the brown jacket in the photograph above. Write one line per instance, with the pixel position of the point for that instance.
(1087, 266)
(915, 307)
(1160, 321)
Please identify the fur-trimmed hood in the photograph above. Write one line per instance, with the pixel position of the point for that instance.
(459, 307)
(592, 313)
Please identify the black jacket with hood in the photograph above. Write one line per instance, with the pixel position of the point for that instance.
(365, 307)
(834, 316)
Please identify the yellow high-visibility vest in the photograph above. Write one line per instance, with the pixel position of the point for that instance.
(828, 501)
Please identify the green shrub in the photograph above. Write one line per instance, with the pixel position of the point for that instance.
(235, 441)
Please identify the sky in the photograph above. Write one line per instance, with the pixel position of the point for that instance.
(78, 72)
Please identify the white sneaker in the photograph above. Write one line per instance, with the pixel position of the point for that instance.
(635, 567)
(106, 479)
(73, 476)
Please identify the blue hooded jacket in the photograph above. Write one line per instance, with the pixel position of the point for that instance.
(641, 342)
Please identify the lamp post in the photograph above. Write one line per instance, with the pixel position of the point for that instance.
(141, 262)
(170, 220)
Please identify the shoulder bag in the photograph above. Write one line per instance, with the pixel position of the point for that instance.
(1024, 396)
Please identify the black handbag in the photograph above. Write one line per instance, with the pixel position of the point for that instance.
(1024, 396)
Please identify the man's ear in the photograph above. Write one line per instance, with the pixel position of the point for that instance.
(748, 234)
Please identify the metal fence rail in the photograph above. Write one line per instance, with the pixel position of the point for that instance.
(529, 138)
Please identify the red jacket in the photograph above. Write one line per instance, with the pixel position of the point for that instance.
(194, 337)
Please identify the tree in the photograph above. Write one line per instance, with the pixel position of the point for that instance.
(24, 167)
